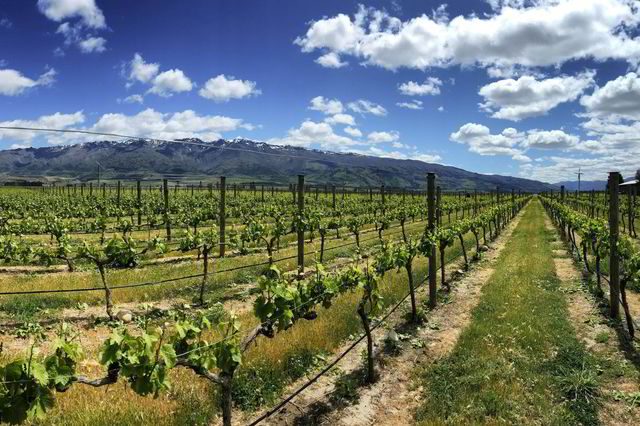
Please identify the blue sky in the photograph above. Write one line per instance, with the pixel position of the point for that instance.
(531, 88)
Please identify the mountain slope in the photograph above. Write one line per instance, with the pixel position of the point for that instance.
(241, 160)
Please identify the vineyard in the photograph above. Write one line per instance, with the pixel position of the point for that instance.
(203, 303)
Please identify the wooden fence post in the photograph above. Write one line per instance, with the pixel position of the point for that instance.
(167, 215)
(223, 187)
(438, 208)
(333, 192)
(614, 229)
(300, 230)
(431, 182)
(139, 191)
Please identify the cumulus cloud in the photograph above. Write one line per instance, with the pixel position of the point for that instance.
(480, 140)
(311, 132)
(169, 82)
(352, 131)
(147, 123)
(222, 89)
(327, 106)
(331, 60)
(55, 121)
(414, 104)
(558, 168)
(512, 142)
(380, 137)
(132, 99)
(553, 139)
(431, 86)
(88, 19)
(398, 155)
(87, 11)
(363, 106)
(13, 82)
(341, 119)
(619, 98)
(142, 71)
(543, 33)
(178, 125)
(5, 23)
(92, 44)
(525, 97)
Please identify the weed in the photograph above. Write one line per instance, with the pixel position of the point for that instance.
(602, 337)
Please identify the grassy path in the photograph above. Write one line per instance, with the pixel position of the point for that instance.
(519, 361)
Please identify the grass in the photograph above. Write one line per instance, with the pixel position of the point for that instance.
(519, 361)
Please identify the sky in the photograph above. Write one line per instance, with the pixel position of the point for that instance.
(529, 88)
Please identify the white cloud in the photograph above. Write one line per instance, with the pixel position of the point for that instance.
(327, 106)
(178, 125)
(331, 60)
(480, 140)
(132, 99)
(341, 119)
(5, 23)
(527, 97)
(354, 132)
(553, 139)
(147, 123)
(363, 106)
(440, 108)
(546, 33)
(427, 158)
(221, 89)
(92, 44)
(142, 71)
(619, 98)
(512, 142)
(414, 104)
(398, 155)
(431, 86)
(558, 168)
(58, 10)
(55, 121)
(13, 83)
(311, 132)
(169, 82)
(380, 137)
(75, 35)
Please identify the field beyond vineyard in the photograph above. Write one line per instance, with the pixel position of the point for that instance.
(218, 304)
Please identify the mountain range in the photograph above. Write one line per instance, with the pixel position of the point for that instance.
(241, 160)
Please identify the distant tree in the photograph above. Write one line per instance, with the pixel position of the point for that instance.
(638, 174)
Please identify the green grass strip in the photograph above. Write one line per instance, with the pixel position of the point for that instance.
(519, 361)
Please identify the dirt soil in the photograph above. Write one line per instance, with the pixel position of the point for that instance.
(393, 399)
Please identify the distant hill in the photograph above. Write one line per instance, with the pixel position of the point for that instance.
(240, 160)
(585, 185)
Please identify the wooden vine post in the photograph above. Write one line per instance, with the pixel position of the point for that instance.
(139, 193)
(223, 187)
(614, 229)
(333, 192)
(300, 228)
(431, 183)
(439, 206)
(167, 222)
